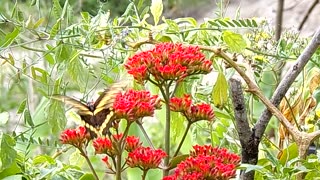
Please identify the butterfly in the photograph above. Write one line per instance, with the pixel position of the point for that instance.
(96, 116)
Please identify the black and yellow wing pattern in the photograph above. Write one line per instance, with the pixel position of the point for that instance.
(97, 116)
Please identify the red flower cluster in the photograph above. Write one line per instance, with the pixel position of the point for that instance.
(168, 61)
(206, 162)
(103, 145)
(135, 104)
(145, 158)
(181, 104)
(132, 143)
(193, 113)
(76, 137)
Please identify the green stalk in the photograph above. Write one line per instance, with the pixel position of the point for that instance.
(84, 154)
(183, 138)
(167, 131)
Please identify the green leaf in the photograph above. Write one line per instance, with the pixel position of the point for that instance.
(220, 91)
(56, 116)
(4, 118)
(10, 37)
(40, 159)
(177, 125)
(77, 71)
(7, 152)
(22, 106)
(27, 118)
(55, 29)
(176, 160)
(289, 153)
(235, 41)
(156, 10)
(87, 177)
(38, 23)
(57, 10)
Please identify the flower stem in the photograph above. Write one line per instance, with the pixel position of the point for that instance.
(118, 167)
(84, 154)
(145, 134)
(167, 131)
(183, 138)
(144, 175)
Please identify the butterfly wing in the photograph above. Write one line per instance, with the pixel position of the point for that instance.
(83, 110)
(107, 98)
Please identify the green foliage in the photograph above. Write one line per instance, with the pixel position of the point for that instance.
(83, 51)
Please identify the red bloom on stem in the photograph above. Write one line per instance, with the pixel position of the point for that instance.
(192, 112)
(206, 162)
(106, 161)
(132, 143)
(214, 151)
(180, 104)
(145, 158)
(133, 105)
(103, 145)
(76, 137)
(201, 112)
(168, 61)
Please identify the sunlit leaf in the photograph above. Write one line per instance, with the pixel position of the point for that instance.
(55, 29)
(10, 37)
(4, 118)
(7, 152)
(314, 82)
(156, 10)
(289, 153)
(235, 41)
(220, 91)
(40, 159)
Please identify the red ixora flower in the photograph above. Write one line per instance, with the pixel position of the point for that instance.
(145, 158)
(132, 143)
(76, 137)
(168, 61)
(193, 112)
(133, 105)
(206, 162)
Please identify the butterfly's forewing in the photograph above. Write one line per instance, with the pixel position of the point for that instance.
(83, 110)
(107, 98)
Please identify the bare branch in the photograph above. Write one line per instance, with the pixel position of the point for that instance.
(286, 82)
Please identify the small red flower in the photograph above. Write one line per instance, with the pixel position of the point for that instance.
(132, 143)
(180, 104)
(145, 158)
(201, 112)
(106, 161)
(103, 145)
(206, 162)
(133, 105)
(76, 137)
(168, 61)
(192, 112)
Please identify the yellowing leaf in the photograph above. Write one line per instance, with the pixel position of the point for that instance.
(156, 10)
(314, 82)
(220, 91)
(235, 41)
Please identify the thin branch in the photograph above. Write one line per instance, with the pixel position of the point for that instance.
(306, 16)
(286, 82)
(279, 19)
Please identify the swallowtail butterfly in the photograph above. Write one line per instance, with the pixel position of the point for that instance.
(96, 116)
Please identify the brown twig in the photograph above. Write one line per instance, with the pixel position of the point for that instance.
(305, 18)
